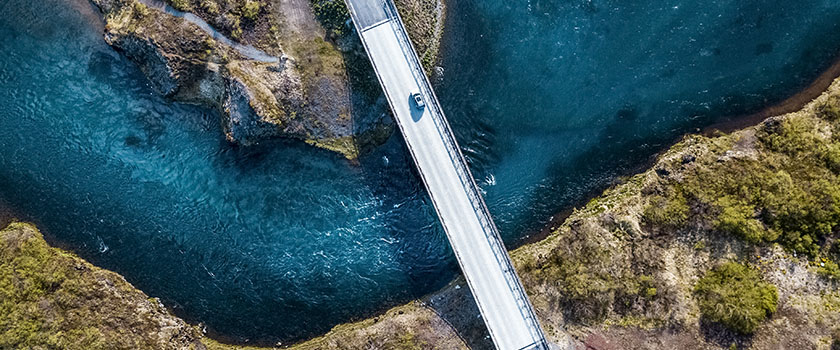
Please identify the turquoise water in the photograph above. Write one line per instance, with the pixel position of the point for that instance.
(550, 100)
(553, 99)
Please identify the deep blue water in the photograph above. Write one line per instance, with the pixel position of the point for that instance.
(553, 99)
(550, 100)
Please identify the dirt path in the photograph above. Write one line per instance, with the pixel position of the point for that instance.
(299, 18)
(246, 50)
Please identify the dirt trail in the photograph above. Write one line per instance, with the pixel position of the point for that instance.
(300, 18)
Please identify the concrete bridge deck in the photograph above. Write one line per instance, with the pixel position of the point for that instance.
(504, 306)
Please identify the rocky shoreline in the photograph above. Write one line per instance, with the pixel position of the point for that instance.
(624, 270)
(306, 95)
(621, 272)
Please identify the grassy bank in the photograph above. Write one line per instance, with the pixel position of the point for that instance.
(656, 252)
(52, 299)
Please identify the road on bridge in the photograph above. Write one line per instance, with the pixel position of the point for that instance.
(504, 306)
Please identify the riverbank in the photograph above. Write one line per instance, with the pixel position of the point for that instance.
(788, 105)
(55, 299)
(620, 272)
(647, 289)
(271, 69)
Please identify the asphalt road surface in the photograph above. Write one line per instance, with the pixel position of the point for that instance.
(505, 308)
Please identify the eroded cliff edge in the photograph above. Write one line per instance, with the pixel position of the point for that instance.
(318, 86)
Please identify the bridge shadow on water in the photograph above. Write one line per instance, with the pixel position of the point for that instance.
(427, 258)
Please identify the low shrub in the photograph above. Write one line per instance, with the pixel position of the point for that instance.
(830, 110)
(181, 5)
(333, 15)
(668, 211)
(734, 295)
(786, 192)
(251, 9)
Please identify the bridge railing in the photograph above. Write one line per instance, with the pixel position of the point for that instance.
(467, 180)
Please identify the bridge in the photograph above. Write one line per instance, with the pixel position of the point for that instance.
(504, 306)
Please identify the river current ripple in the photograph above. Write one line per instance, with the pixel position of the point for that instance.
(550, 101)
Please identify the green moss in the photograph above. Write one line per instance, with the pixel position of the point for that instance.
(407, 341)
(637, 322)
(263, 102)
(734, 295)
(345, 145)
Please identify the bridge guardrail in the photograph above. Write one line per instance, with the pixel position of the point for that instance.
(467, 180)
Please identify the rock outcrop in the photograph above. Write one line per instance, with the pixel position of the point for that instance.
(305, 96)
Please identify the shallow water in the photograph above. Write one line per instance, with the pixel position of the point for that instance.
(550, 100)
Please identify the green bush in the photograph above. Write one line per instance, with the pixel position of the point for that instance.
(788, 193)
(830, 110)
(332, 14)
(182, 5)
(830, 270)
(734, 295)
(829, 266)
(739, 218)
(670, 211)
(792, 136)
(210, 6)
(251, 9)
(832, 157)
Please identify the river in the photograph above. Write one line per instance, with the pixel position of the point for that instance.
(551, 100)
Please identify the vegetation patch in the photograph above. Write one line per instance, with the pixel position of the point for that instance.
(734, 295)
(424, 23)
(333, 15)
(345, 145)
(669, 211)
(233, 18)
(779, 186)
(51, 299)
